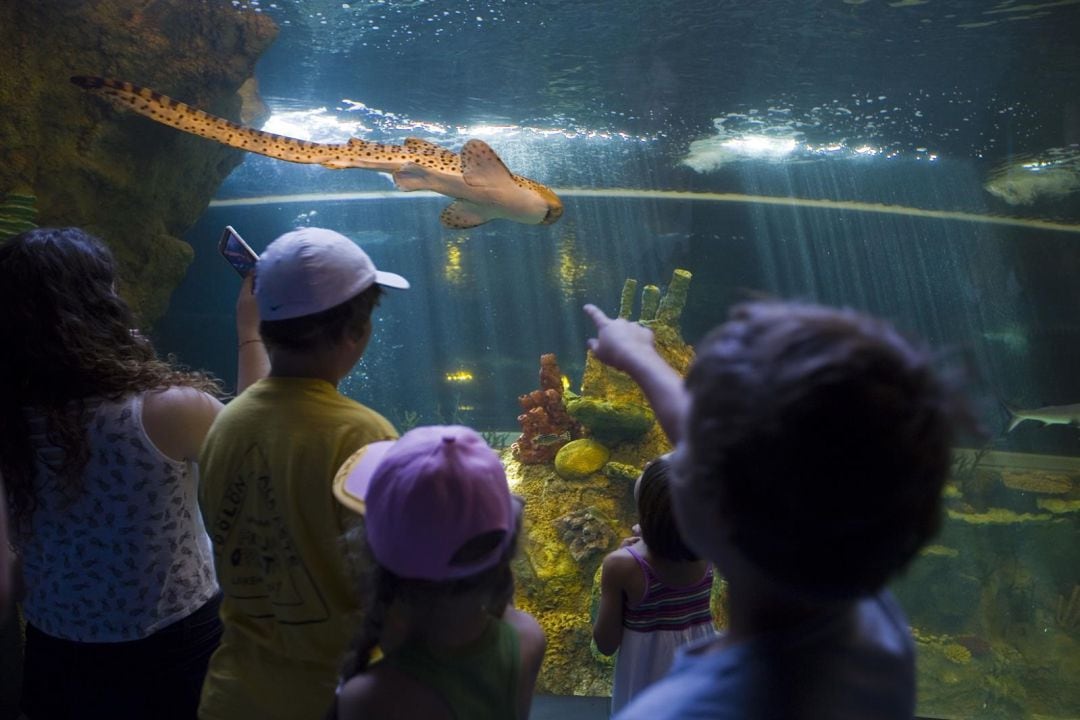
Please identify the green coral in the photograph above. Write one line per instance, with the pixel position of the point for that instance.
(621, 471)
(18, 213)
(671, 307)
(957, 653)
(611, 422)
(650, 302)
(626, 300)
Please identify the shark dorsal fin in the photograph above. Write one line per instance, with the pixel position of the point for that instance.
(430, 149)
(462, 214)
(481, 167)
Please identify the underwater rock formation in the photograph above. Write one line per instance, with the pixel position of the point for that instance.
(587, 533)
(135, 184)
(545, 424)
(564, 546)
(579, 459)
(611, 422)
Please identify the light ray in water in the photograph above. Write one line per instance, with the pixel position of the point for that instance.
(844, 205)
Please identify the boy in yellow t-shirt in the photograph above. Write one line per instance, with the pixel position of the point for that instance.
(268, 464)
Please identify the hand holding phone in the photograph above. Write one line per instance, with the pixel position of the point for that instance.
(237, 252)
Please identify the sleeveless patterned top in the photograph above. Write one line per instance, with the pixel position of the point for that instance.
(128, 554)
(665, 607)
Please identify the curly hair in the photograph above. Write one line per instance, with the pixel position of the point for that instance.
(824, 437)
(70, 339)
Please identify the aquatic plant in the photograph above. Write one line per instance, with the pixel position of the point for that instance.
(496, 440)
(1067, 611)
(406, 420)
(964, 464)
(957, 653)
(18, 213)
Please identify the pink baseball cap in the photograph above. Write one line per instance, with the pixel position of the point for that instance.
(424, 496)
(308, 270)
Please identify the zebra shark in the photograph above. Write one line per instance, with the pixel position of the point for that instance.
(482, 187)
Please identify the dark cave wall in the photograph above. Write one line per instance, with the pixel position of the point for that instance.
(137, 185)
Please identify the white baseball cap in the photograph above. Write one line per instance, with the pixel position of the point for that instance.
(308, 270)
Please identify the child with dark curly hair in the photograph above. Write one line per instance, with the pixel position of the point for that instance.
(811, 447)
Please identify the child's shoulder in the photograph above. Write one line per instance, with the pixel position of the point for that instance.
(620, 563)
(387, 692)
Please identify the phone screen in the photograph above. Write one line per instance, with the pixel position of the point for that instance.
(233, 248)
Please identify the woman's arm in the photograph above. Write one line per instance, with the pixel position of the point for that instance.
(252, 362)
(177, 420)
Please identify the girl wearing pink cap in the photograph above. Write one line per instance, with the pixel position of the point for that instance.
(441, 528)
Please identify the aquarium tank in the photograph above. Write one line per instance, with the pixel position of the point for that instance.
(916, 159)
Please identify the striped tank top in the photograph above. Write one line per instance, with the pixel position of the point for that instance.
(665, 607)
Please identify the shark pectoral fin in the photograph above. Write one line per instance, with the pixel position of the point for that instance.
(411, 176)
(481, 167)
(463, 214)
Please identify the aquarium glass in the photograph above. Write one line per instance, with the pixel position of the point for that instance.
(917, 159)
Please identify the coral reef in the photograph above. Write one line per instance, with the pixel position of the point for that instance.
(579, 459)
(587, 533)
(957, 653)
(997, 516)
(621, 471)
(611, 422)
(564, 547)
(545, 424)
(1044, 483)
(137, 185)
(1058, 506)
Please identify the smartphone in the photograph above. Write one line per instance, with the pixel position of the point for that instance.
(237, 252)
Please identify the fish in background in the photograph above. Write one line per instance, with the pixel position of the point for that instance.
(1050, 175)
(1049, 415)
(482, 187)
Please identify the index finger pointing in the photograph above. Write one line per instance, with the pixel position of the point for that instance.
(597, 315)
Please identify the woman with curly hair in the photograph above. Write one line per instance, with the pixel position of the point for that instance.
(98, 442)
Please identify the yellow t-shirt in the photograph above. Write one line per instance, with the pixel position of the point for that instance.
(290, 604)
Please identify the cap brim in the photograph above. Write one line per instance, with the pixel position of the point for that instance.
(391, 280)
(353, 477)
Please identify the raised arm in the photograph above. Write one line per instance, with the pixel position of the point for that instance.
(252, 362)
(629, 346)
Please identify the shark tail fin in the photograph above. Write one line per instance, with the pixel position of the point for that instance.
(1015, 418)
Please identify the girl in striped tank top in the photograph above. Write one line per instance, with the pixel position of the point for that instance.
(654, 593)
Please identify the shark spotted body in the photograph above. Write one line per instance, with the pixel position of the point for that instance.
(482, 187)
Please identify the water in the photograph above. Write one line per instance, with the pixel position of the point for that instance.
(915, 159)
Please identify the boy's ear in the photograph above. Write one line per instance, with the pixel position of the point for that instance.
(358, 335)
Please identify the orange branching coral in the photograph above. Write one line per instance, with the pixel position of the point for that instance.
(545, 424)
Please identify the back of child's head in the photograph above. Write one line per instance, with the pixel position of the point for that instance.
(824, 438)
(315, 286)
(659, 529)
(440, 522)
